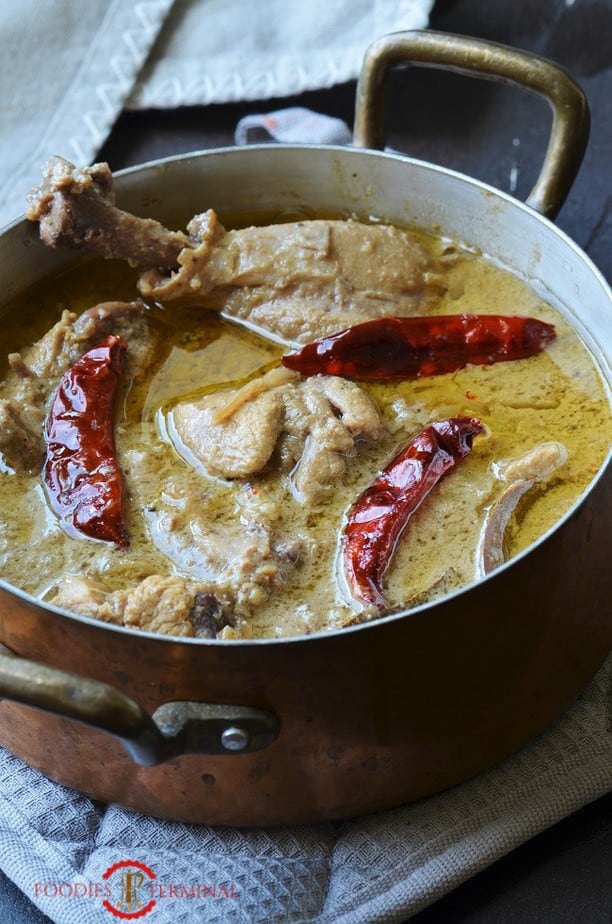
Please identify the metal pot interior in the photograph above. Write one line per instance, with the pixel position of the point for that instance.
(273, 182)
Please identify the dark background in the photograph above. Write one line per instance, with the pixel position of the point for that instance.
(563, 876)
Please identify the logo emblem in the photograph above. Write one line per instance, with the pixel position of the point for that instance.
(130, 882)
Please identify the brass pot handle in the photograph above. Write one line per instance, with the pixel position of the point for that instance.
(174, 729)
(492, 61)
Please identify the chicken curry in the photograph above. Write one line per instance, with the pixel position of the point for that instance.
(241, 491)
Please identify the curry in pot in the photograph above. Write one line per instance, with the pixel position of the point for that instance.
(280, 430)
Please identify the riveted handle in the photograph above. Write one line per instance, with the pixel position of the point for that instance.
(174, 728)
(491, 61)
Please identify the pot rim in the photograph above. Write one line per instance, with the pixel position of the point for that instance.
(381, 621)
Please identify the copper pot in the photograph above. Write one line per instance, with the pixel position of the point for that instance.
(342, 723)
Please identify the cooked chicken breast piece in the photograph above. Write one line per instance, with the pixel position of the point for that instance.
(315, 423)
(237, 447)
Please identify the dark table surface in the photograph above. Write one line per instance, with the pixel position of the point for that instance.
(499, 135)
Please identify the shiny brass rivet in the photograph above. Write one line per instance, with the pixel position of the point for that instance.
(234, 738)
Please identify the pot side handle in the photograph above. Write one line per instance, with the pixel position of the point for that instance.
(176, 728)
(491, 61)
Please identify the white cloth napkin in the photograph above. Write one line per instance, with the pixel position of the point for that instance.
(68, 68)
(54, 843)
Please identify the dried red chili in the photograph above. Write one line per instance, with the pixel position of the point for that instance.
(381, 514)
(81, 472)
(407, 348)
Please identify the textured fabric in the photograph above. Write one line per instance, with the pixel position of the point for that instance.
(381, 868)
(68, 68)
(221, 51)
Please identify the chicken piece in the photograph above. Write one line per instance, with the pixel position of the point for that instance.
(234, 444)
(324, 417)
(243, 559)
(35, 373)
(72, 336)
(535, 467)
(21, 436)
(298, 281)
(76, 209)
(170, 605)
(315, 422)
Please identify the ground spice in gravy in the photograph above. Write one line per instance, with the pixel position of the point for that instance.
(557, 396)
